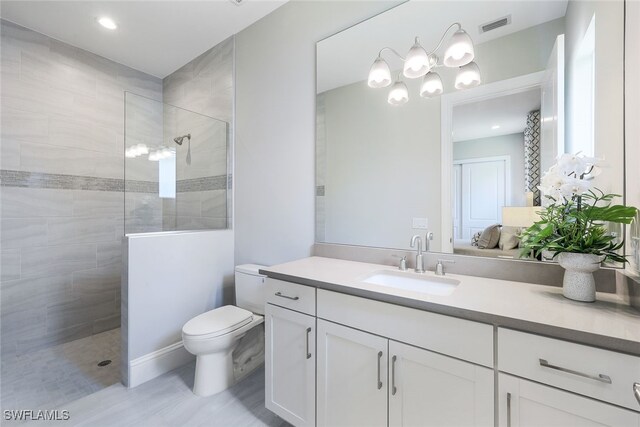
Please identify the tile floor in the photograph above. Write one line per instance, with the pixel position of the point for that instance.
(54, 376)
(167, 401)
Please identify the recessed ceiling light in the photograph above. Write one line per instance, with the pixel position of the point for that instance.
(494, 127)
(107, 22)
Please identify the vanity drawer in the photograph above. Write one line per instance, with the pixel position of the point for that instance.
(590, 371)
(459, 338)
(291, 295)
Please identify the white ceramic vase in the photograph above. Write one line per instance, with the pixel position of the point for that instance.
(578, 283)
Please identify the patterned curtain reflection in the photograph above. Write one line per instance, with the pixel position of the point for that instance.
(532, 170)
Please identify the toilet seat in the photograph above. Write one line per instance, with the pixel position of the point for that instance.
(217, 322)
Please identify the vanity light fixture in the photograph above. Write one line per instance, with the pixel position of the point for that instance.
(431, 85)
(459, 52)
(107, 23)
(380, 74)
(468, 76)
(399, 94)
(416, 64)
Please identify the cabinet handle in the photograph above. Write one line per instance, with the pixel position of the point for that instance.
(601, 377)
(508, 409)
(393, 376)
(636, 391)
(281, 295)
(308, 353)
(379, 359)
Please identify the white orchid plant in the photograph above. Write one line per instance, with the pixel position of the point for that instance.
(575, 214)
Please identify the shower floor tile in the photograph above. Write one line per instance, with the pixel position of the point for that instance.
(48, 378)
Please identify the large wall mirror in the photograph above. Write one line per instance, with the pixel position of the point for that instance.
(405, 159)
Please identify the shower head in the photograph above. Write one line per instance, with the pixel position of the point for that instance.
(178, 139)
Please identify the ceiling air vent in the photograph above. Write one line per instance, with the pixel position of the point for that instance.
(495, 24)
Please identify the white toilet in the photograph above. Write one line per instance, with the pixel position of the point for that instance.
(214, 335)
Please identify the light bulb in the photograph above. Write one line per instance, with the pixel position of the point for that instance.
(107, 23)
(154, 157)
(431, 85)
(379, 74)
(416, 63)
(459, 50)
(468, 76)
(399, 94)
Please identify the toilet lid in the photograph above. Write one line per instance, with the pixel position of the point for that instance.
(219, 321)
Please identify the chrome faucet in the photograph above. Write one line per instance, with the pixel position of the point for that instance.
(417, 241)
(427, 241)
(440, 266)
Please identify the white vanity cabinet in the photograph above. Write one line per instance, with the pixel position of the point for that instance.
(429, 389)
(358, 373)
(290, 360)
(525, 403)
(352, 377)
(550, 382)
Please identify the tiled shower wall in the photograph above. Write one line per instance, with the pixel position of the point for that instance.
(204, 86)
(61, 188)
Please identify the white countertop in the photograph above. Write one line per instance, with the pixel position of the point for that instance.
(608, 323)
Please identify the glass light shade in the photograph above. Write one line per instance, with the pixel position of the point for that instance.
(431, 85)
(379, 74)
(459, 50)
(399, 94)
(468, 76)
(417, 62)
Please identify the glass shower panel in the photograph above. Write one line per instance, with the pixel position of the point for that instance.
(176, 171)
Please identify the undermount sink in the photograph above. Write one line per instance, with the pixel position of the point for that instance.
(414, 282)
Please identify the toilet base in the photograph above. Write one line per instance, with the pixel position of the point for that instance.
(214, 373)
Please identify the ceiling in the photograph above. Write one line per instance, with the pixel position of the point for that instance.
(156, 37)
(346, 57)
(475, 120)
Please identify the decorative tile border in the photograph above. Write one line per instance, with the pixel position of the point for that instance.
(202, 184)
(23, 179)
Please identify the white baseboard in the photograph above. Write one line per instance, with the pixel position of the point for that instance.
(159, 362)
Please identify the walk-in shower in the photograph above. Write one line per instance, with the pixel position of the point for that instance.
(170, 185)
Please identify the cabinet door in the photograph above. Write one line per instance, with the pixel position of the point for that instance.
(290, 364)
(429, 389)
(523, 403)
(352, 377)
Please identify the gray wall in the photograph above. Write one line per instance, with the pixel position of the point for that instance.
(275, 126)
(504, 145)
(62, 180)
(204, 86)
(382, 167)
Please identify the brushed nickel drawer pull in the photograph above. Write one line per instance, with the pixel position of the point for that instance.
(601, 377)
(379, 358)
(393, 376)
(508, 409)
(281, 295)
(636, 391)
(308, 353)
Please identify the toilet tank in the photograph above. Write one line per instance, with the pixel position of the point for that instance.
(250, 288)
